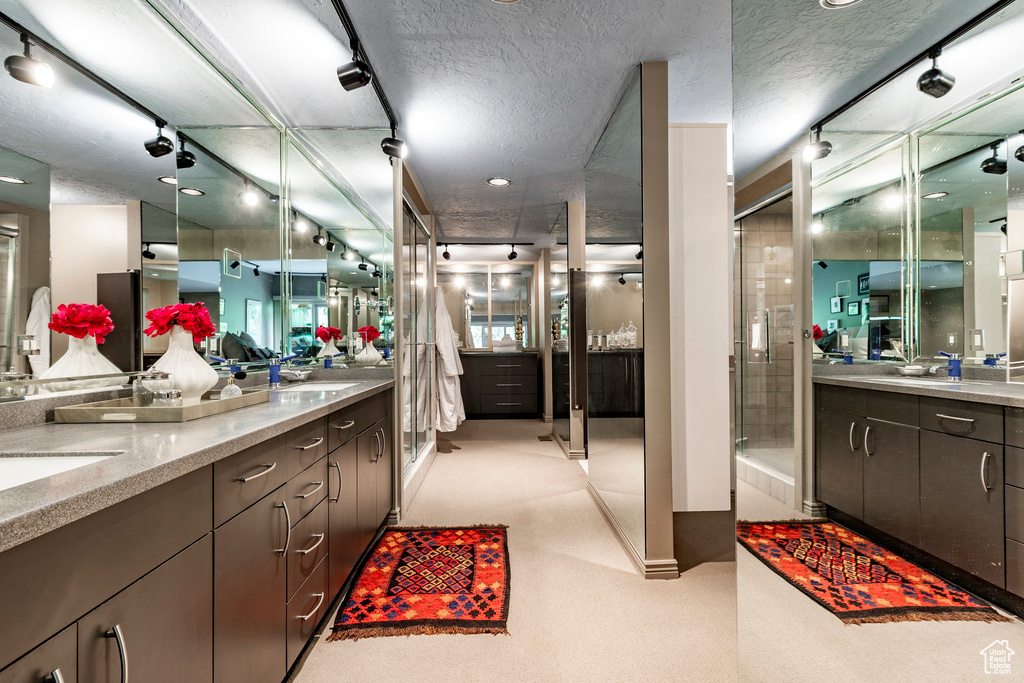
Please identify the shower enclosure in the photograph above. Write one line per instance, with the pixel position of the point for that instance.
(417, 293)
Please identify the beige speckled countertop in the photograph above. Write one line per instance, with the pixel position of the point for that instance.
(151, 454)
(993, 391)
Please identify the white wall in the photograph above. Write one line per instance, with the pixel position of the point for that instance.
(700, 237)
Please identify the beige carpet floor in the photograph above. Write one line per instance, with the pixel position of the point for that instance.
(784, 636)
(579, 612)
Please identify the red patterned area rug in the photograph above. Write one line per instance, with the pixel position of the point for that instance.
(855, 579)
(429, 580)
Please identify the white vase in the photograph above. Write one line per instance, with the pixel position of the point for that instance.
(190, 373)
(329, 349)
(81, 360)
(369, 355)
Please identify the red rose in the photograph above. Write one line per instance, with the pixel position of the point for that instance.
(818, 334)
(79, 320)
(191, 317)
(368, 333)
(325, 334)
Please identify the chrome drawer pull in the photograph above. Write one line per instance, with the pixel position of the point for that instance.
(315, 609)
(319, 485)
(319, 539)
(510, 404)
(510, 385)
(376, 437)
(507, 366)
(55, 676)
(347, 425)
(337, 467)
(316, 442)
(118, 635)
(984, 472)
(852, 448)
(270, 468)
(288, 529)
(867, 432)
(383, 443)
(951, 417)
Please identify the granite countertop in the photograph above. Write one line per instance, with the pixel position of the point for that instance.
(995, 391)
(151, 454)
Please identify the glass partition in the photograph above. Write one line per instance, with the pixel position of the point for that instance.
(417, 342)
(559, 331)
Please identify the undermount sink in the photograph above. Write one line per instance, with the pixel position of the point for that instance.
(937, 383)
(320, 386)
(22, 467)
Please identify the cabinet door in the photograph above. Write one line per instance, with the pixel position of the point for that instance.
(368, 450)
(344, 549)
(892, 486)
(962, 503)
(58, 654)
(163, 624)
(840, 460)
(250, 581)
(385, 470)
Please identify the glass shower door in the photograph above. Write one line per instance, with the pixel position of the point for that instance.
(8, 289)
(418, 423)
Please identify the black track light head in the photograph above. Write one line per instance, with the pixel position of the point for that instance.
(26, 69)
(377, 273)
(512, 255)
(363, 265)
(445, 255)
(235, 264)
(640, 253)
(819, 149)
(1019, 154)
(374, 292)
(393, 147)
(822, 265)
(935, 82)
(331, 245)
(186, 159)
(319, 239)
(622, 278)
(994, 164)
(160, 145)
(147, 253)
(355, 74)
(256, 271)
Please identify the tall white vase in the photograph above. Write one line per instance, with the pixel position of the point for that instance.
(190, 373)
(368, 356)
(329, 349)
(81, 360)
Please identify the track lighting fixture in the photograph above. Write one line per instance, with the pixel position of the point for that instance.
(235, 264)
(249, 196)
(349, 254)
(822, 265)
(255, 270)
(640, 254)
(26, 69)
(186, 159)
(363, 265)
(319, 239)
(331, 245)
(994, 164)
(622, 278)
(445, 255)
(160, 145)
(376, 273)
(356, 73)
(147, 253)
(512, 255)
(819, 149)
(393, 147)
(1019, 154)
(935, 82)
(374, 292)
(299, 224)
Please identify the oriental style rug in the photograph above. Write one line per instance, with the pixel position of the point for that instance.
(856, 580)
(429, 580)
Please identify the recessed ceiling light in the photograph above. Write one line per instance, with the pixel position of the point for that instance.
(837, 4)
(499, 182)
(169, 179)
(506, 2)
(191, 191)
(12, 180)
(935, 195)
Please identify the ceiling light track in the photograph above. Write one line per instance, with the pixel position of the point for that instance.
(245, 178)
(357, 49)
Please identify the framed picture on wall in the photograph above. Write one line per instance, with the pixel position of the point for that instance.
(835, 305)
(863, 284)
(832, 326)
(254, 320)
(853, 308)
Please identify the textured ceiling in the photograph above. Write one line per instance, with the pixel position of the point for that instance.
(795, 62)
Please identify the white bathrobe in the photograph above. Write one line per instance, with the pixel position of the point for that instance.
(450, 410)
(36, 325)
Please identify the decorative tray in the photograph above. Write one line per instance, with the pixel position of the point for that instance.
(122, 410)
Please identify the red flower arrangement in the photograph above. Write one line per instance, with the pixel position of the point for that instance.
(368, 333)
(79, 320)
(191, 317)
(818, 334)
(326, 334)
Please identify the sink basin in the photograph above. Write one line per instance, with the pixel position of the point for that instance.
(20, 468)
(320, 386)
(937, 383)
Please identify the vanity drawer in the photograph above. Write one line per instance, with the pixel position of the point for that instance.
(891, 407)
(975, 420)
(306, 445)
(347, 423)
(306, 489)
(307, 547)
(59, 652)
(1014, 502)
(506, 386)
(244, 478)
(843, 399)
(1014, 427)
(514, 404)
(509, 367)
(305, 610)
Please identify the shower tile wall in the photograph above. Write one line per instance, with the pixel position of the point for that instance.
(766, 268)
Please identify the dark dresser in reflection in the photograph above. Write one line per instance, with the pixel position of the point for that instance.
(615, 383)
(501, 385)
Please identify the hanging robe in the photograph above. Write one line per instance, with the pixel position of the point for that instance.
(450, 410)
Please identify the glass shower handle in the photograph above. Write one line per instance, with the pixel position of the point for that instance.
(758, 326)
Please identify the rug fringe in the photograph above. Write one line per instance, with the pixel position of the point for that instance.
(382, 632)
(785, 521)
(457, 526)
(927, 616)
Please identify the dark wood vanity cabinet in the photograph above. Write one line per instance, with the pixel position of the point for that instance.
(344, 548)
(499, 385)
(840, 462)
(892, 478)
(57, 656)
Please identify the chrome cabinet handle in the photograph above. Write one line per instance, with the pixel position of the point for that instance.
(509, 404)
(316, 442)
(955, 419)
(867, 432)
(499, 365)
(337, 467)
(347, 425)
(118, 635)
(984, 471)
(315, 609)
(509, 385)
(55, 676)
(853, 449)
(383, 443)
(319, 485)
(270, 468)
(319, 539)
(376, 437)
(288, 529)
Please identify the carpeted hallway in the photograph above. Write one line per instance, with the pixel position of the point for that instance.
(579, 611)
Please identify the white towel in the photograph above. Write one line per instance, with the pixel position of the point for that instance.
(36, 325)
